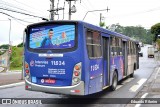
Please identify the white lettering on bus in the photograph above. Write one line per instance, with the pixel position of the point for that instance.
(41, 62)
(58, 62)
(94, 67)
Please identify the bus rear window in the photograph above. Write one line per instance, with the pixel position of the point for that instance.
(52, 37)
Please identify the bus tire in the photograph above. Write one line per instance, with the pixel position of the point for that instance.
(114, 81)
(132, 75)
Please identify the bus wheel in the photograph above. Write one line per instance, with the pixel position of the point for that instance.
(132, 75)
(114, 81)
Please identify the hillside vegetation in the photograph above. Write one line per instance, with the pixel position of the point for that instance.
(16, 58)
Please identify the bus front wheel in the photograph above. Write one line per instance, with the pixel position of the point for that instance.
(114, 81)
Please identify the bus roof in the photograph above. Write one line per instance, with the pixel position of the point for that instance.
(94, 27)
(108, 31)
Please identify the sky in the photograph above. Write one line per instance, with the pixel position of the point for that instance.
(143, 13)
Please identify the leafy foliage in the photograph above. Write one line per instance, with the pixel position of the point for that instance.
(20, 45)
(101, 24)
(155, 29)
(5, 46)
(136, 32)
(16, 57)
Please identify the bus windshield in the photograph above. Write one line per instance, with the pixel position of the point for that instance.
(52, 37)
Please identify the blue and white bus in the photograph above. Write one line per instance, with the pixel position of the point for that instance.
(76, 58)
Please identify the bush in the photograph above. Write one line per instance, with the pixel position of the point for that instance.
(16, 62)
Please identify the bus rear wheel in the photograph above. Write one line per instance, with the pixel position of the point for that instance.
(132, 75)
(114, 81)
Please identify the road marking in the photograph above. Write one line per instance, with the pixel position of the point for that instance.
(118, 86)
(134, 88)
(11, 85)
(157, 73)
(143, 96)
(105, 87)
(124, 82)
(127, 80)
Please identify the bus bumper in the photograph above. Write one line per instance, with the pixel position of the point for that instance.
(68, 90)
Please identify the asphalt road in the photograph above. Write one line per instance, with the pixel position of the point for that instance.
(127, 89)
(9, 78)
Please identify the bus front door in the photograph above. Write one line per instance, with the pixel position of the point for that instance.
(106, 59)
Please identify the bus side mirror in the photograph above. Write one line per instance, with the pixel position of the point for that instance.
(139, 48)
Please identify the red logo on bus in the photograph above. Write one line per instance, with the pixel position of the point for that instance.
(50, 81)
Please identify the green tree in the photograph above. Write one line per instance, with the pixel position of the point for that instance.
(136, 32)
(155, 29)
(119, 28)
(5, 46)
(20, 45)
(102, 24)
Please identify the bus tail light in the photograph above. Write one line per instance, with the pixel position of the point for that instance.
(26, 65)
(77, 71)
(27, 86)
(27, 71)
(76, 67)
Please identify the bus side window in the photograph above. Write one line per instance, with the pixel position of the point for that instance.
(112, 46)
(93, 40)
(128, 47)
(89, 41)
(97, 45)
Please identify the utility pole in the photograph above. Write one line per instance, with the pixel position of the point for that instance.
(100, 18)
(70, 8)
(9, 46)
(52, 10)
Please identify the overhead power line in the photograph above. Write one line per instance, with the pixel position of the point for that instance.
(3, 20)
(135, 13)
(3, 3)
(24, 13)
(15, 17)
(29, 6)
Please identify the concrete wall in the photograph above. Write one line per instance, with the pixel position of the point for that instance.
(4, 60)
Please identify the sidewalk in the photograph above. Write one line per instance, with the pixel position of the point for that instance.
(10, 77)
(152, 86)
(151, 89)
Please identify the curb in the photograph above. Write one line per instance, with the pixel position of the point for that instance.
(12, 85)
(150, 82)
